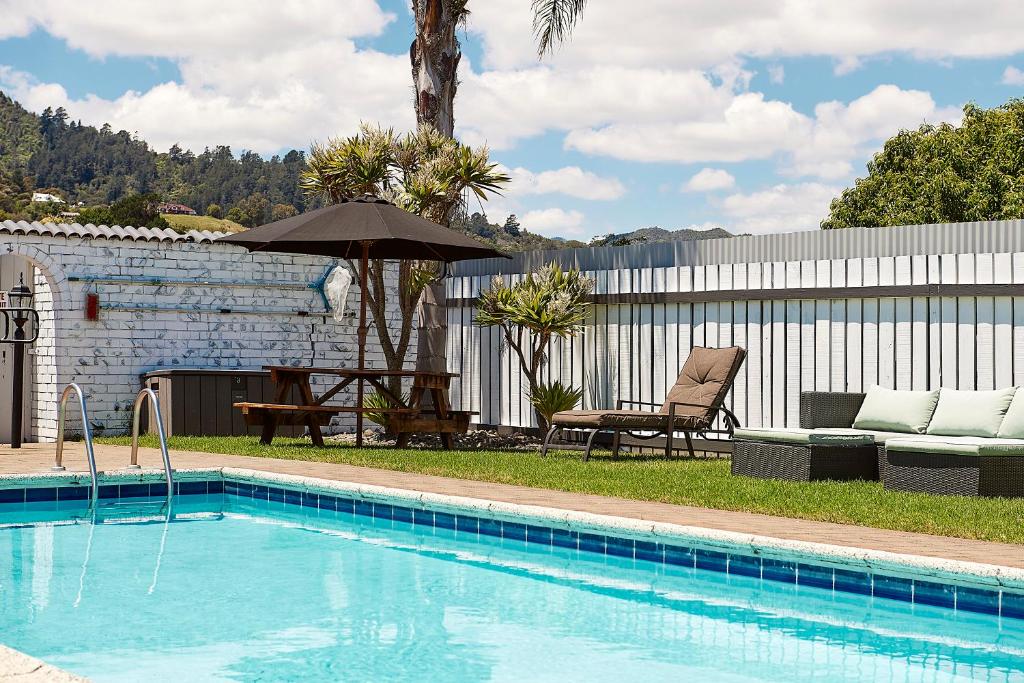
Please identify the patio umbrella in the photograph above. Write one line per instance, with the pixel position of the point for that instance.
(365, 227)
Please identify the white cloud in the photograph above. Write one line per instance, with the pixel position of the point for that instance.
(261, 76)
(554, 222)
(1013, 76)
(844, 132)
(752, 127)
(193, 28)
(570, 180)
(782, 208)
(694, 34)
(709, 180)
(262, 103)
(501, 107)
(748, 128)
(847, 65)
(776, 74)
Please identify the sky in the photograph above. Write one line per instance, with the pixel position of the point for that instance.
(745, 114)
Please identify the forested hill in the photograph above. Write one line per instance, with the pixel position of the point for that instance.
(115, 178)
(100, 166)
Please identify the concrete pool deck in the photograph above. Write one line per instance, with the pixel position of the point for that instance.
(37, 458)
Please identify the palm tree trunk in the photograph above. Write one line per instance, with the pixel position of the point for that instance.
(435, 56)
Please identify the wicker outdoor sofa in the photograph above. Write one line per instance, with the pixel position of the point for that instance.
(976, 459)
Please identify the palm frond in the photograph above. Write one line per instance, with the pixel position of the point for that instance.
(553, 21)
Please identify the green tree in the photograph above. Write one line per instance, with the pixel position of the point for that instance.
(282, 211)
(215, 211)
(135, 210)
(251, 211)
(425, 173)
(512, 225)
(548, 303)
(478, 225)
(939, 174)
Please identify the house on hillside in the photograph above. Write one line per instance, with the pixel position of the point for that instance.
(46, 197)
(171, 207)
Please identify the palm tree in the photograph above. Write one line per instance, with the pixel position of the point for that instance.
(436, 53)
(425, 173)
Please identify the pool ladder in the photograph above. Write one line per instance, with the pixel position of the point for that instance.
(140, 400)
(86, 433)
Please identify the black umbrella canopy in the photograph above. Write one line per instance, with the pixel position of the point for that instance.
(341, 231)
(363, 228)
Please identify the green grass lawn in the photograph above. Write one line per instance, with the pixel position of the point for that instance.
(704, 483)
(183, 223)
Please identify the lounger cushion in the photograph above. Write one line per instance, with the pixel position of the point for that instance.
(1013, 422)
(888, 410)
(812, 437)
(706, 377)
(970, 413)
(957, 445)
(625, 419)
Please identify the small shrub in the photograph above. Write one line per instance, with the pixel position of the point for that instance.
(381, 402)
(555, 397)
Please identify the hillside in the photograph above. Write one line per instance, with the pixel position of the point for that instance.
(656, 234)
(513, 237)
(98, 166)
(114, 177)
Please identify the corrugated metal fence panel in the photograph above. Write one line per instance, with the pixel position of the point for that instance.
(633, 351)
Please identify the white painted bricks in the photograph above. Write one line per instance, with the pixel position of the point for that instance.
(179, 324)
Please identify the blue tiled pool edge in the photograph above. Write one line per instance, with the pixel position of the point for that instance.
(1001, 601)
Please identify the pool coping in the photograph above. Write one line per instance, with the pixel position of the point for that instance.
(15, 665)
(960, 572)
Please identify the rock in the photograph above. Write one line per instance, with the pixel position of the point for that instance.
(475, 440)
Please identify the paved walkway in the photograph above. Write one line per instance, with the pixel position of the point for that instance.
(39, 457)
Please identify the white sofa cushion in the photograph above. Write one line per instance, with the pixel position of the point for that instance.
(796, 435)
(1013, 422)
(957, 445)
(970, 413)
(888, 410)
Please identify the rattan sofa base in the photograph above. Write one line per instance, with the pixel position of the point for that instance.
(936, 473)
(804, 462)
(952, 475)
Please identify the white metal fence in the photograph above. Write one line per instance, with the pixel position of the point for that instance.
(908, 319)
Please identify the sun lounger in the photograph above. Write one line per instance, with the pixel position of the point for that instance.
(691, 407)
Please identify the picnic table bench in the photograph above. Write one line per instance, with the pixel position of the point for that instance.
(404, 418)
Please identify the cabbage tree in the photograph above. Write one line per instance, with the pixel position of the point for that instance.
(548, 303)
(425, 173)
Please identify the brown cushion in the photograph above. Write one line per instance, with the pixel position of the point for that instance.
(705, 379)
(626, 419)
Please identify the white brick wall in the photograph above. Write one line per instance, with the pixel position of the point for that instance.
(145, 326)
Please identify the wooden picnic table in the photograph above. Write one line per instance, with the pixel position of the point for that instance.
(404, 418)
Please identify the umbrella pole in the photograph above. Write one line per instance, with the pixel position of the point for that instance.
(363, 290)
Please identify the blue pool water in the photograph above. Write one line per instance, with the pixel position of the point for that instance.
(238, 589)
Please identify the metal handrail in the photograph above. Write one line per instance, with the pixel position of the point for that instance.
(140, 398)
(86, 432)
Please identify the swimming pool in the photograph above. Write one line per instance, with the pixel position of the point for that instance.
(251, 579)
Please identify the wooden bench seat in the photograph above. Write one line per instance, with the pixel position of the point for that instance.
(288, 414)
(290, 408)
(402, 421)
